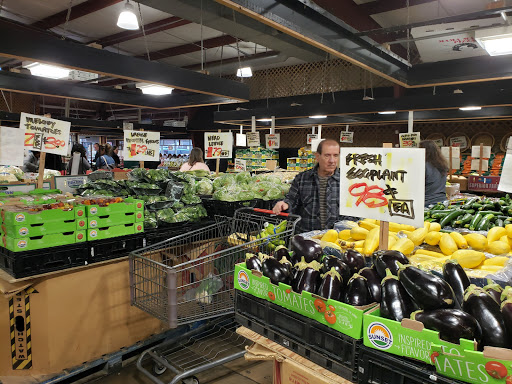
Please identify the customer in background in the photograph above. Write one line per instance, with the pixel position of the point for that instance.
(31, 162)
(195, 161)
(115, 155)
(54, 162)
(436, 169)
(105, 161)
(84, 165)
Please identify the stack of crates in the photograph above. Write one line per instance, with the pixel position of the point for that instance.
(305, 161)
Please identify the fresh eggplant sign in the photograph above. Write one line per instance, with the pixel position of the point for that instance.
(386, 184)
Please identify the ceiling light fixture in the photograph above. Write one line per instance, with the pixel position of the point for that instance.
(264, 120)
(318, 117)
(387, 113)
(470, 108)
(244, 72)
(127, 18)
(47, 70)
(457, 91)
(154, 89)
(496, 41)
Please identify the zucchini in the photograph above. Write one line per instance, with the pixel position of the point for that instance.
(499, 223)
(439, 216)
(482, 226)
(470, 201)
(476, 205)
(476, 220)
(465, 219)
(486, 207)
(495, 213)
(447, 220)
(435, 211)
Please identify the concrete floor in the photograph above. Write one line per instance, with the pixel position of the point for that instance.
(235, 372)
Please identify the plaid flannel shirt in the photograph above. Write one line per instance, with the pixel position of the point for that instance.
(303, 200)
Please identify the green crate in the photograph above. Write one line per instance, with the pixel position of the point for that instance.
(41, 242)
(111, 220)
(127, 206)
(16, 216)
(33, 230)
(114, 231)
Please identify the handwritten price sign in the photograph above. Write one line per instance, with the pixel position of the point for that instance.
(141, 145)
(410, 140)
(240, 165)
(383, 183)
(347, 137)
(218, 145)
(273, 141)
(43, 134)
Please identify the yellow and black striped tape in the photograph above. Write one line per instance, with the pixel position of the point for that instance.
(21, 333)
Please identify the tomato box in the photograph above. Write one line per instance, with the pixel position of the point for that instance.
(22, 216)
(334, 314)
(112, 220)
(128, 205)
(45, 241)
(114, 231)
(32, 230)
(408, 338)
(492, 366)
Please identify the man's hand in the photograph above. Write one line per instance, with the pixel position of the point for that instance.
(280, 207)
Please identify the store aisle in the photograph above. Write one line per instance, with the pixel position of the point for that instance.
(236, 372)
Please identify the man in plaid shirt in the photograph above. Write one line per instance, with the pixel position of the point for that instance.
(315, 194)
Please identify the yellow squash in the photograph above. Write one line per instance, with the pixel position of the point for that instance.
(508, 228)
(468, 258)
(476, 241)
(371, 243)
(498, 248)
(434, 227)
(447, 244)
(359, 233)
(344, 235)
(417, 236)
(431, 253)
(406, 246)
(506, 239)
(495, 233)
(498, 260)
(331, 236)
(395, 227)
(459, 240)
(367, 225)
(433, 238)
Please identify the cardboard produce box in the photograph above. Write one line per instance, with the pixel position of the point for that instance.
(334, 314)
(44, 241)
(111, 220)
(114, 231)
(75, 317)
(408, 338)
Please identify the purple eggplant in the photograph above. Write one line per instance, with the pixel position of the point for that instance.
(308, 278)
(493, 289)
(452, 324)
(309, 249)
(427, 290)
(275, 271)
(395, 303)
(486, 311)
(280, 252)
(284, 260)
(388, 259)
(354, 260)
(373, 279)
(455, 275)
(252, 262)
(331, 286)
(343, 269)
(357, 292)
(506, 312)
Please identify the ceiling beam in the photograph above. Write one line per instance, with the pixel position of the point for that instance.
(389, 5)
(149, 29)
(196, 67)
(26, 44)
(191, 47)
(80, 10)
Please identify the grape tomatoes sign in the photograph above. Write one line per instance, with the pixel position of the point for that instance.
(218, 145)
(141, 145)
(383, 183)
(43, 134)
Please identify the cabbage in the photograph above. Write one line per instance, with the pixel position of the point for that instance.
(223, 181)
(204, 187)
(273, 193)
(243, 177)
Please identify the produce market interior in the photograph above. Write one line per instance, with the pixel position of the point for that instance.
(256, 191)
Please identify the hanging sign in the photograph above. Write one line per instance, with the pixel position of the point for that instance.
(311, 137)
(347, 137)
(218, 145)
(241, 140)
(11, 146)
(475, 152)
(386, 184)
(253, 139)
(43, 134)
(240, 165)
(272, 141)
(410, 140)
(459, 141)
(141, 145)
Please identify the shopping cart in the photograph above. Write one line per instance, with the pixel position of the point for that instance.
(190, 277)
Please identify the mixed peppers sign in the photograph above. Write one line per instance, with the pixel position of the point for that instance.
(218, 145)
(383, 183)
(141, 145)
(43, 134)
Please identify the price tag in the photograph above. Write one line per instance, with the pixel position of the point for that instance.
(347, 137)
(141, 145)
(253, 139)
(70, 183)
(43, 134)
(311, 137)
(241, 140)
(240, 165)
(410, 140)
(218, 145)
(272, 141)
(459, 141)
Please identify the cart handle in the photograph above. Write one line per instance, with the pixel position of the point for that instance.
(270, 212)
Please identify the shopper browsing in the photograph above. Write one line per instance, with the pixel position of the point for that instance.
(195, 161)
(436, 169)
(105, 161)
(31, 162)
(115, 155)
(83, 165)
(315, 194)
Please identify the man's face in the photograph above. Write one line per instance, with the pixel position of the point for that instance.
(96, 147)
(328, 160)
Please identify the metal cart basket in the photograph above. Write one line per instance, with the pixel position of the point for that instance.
(190, 277)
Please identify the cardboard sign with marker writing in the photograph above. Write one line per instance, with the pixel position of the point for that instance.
(386, 184)
(311, 137)
(410, 140)
(272, 141)
(44, 134)
(253, 139)
(347, 137)
(218, 145)
(11, 146)
(141, 145)
(240, 165)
